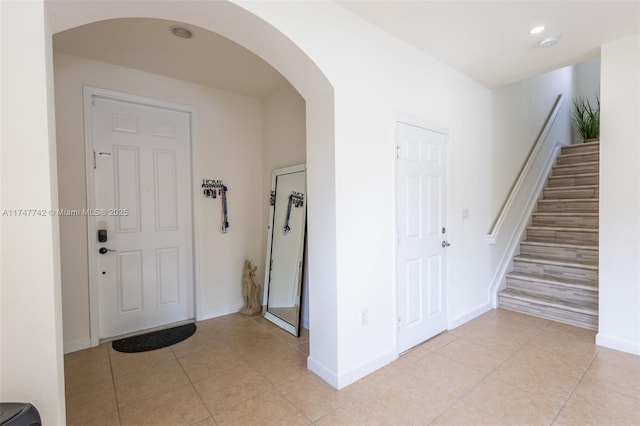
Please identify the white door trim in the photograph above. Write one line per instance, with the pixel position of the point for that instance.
(88, 95)
(412, 120)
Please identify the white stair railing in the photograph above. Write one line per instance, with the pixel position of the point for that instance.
(525, 170)
(515, 212)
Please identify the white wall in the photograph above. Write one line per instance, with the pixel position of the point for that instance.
(520, 111)
(31, 361)
(586, 84)
(283, 144)
(587, 79)
(374, 77)
(227, 137)
(619, 310)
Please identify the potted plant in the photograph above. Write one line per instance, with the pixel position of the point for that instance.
(586, 119)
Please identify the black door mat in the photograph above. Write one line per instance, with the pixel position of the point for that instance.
(154, 340)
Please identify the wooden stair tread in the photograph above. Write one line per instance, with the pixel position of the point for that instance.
(568, 214)
(586, 308)
(576, 154)
(560, 245)
(567, 200)
(556, 274)
(551, 261)
(561, 228)
(550, 279)
(586, 163)
(578, 145)
(568, 188)
(575, 175)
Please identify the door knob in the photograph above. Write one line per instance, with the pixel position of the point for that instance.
(445, 244)
(104, 250)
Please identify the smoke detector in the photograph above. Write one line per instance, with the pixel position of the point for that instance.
(550, 41)
(182, 32)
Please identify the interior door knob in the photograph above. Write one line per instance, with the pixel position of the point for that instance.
(445, 244)
(104, 250)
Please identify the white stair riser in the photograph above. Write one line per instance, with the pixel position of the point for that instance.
(560, 236)
(575, 169)
(573, 254)
(576, 221)
(576, 159)
(557, 271)
(569, 193)
(573, 180)
(568, 206)
(569, 294)
(549, 312)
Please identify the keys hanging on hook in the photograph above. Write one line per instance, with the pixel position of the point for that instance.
(224, 207)
(209, 193)
(296, 199)
(287, 228)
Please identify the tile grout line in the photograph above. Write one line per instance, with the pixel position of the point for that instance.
(484, 378)
(298, 409)
(113, 381)
(194, 388)
(575, 386)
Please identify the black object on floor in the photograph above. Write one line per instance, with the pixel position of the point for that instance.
(19, 414)
(154, 340)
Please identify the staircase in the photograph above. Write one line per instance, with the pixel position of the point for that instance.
(555, 276)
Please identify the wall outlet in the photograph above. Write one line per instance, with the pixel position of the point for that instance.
(364, 317)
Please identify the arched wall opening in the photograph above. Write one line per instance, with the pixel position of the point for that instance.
(261, 38)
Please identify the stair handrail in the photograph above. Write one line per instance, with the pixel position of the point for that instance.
(496, 226)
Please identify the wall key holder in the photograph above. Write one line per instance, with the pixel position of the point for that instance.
(211, 188)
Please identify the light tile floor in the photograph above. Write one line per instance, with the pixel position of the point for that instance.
(499, 369)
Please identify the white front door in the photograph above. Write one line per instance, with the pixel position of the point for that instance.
(421, 272)
(143, 202)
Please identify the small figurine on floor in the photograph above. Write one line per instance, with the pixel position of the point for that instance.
(250, 291)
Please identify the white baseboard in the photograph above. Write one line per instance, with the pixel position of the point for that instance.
(361, 371)
(618, 344)
(457, 322)
(77, 345)
(340, 381)
(323, 372)
(205, 315)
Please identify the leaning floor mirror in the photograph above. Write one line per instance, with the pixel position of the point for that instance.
(285, 247)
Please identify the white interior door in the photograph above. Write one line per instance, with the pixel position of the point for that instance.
(421, 271)
(143, 201)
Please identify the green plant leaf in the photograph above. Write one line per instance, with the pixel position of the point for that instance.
(586, 119)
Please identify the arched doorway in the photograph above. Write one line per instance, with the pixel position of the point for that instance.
(255, 34)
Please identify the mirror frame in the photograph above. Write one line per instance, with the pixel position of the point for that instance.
(295, 330)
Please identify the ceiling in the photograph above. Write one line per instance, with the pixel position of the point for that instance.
(486, 40)
(148, 45)
(490, 41)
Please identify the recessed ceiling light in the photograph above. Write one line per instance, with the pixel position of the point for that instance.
(537, 30)
(181, 32)
(550, 41)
